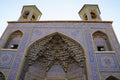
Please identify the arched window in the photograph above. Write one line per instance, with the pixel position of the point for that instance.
(2, 77)
(14, 40)
(93, 15)
(101, 41)
(33, 17)
(25, 15)
(85, 17)
(112, 78)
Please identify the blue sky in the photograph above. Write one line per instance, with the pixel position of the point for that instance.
(60, 10)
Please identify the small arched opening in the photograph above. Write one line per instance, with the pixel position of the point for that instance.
(26, 14)
(85, 17)
(93, 15)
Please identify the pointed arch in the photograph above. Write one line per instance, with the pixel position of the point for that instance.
(25, 15)
(101, 41)
(55, 37)
(112, 78)
(93, 14)
(85, 17)
(2, 76)
(14, 40)
(55, 51)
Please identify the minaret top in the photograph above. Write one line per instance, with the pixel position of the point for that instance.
(30, 13)
(90, 12)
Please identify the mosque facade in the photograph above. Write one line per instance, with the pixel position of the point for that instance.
(86, 49)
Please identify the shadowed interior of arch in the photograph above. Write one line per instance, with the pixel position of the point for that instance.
(112, 78)
(2, 77)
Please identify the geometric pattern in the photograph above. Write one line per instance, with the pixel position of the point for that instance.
(107, 62)
(6, 58)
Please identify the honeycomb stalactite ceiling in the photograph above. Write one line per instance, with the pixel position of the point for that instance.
(56, 49)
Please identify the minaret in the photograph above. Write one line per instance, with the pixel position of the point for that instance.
(30, 13)
(90, 12)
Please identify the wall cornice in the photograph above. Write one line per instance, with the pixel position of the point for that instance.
(60, 21)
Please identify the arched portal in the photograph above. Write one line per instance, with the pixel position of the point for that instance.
(55, 57)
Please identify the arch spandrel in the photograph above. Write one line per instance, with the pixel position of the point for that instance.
(55, 48)
(39, 37)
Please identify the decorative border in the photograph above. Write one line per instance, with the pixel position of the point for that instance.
(16, 65)
(93, 67)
